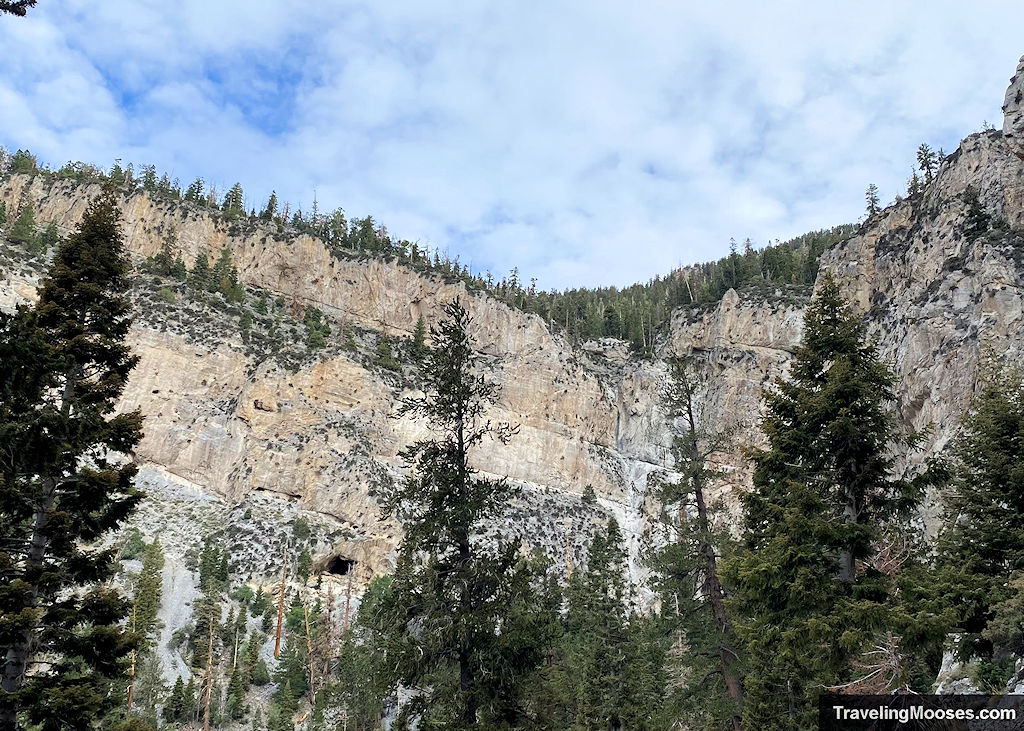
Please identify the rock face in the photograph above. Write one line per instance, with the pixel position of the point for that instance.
(1013, 112)
(227, 420)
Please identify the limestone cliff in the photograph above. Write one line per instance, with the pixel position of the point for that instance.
(229, 417)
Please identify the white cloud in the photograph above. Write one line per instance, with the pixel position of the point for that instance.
(586, 143)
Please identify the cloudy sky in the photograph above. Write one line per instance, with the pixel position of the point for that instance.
(587, 143)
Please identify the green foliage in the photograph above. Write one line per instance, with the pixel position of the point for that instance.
(418, 350)
(270, 210)
(808, 593)
(234, 202)
(23, 162)
(134, 545)
(871, 197)
(927, 162)
(49, 238)
(301, 530)
(24, 229)
(977, 220)
(3, 212)
(317, 328)
(201, 277)
(150, 689)
(63, 366)
(178, 704)
(385, 356)
(260, 673)
(982, 544)
(703, 660)
(304, 566)
(165, 294)
(149, 589)
(452, 591)
(194, 194)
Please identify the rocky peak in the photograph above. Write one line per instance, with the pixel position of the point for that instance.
(1013, 111)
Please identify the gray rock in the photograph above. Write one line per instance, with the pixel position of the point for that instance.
(1013, 112)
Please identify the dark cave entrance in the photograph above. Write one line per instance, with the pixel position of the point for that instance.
(340, 566)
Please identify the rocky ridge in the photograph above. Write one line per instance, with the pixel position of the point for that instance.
(317, 436)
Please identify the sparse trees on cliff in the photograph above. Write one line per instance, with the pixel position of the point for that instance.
(63, 364)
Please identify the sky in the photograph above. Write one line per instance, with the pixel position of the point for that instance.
(586, 143)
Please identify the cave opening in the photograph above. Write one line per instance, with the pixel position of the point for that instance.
(340, 566)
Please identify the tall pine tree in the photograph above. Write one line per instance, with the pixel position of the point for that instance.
(703, 651)
(809, 595)
(453, 584)
(982, 545)
(63, 364)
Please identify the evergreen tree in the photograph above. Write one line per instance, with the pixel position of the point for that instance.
(982, 545)
(201, 277)
(598, 634)
(234, 202)
(23, 162)
(165, 259)
(451, 589)
(24, 229)
(224, 277)
(63, 365)
(871, 196)
(808, 593)
(3, 212)
(385, 356)
(194, 194)
(149, 589)
(149, 688)
(913, 184)
(419, 345)
(270, 210)
(704, 649)
(176, 707)
(926, 162)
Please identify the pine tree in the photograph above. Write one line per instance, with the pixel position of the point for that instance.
(24, 229)
(913, 184)
(982, 545)
(871, 196)
(220, 276)
(598, 633)
(176, 707)
(16, 7)
(451, 589)
(270, 210)
(926, 162)
(808, 594)
(234, 202)
(201, 278)
(3, 212)
(149, 589)
(419, 345)
(385, 356)
(693, 611)
(63, 365)
(194, 194)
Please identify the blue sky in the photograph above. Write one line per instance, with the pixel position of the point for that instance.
(587, 143)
